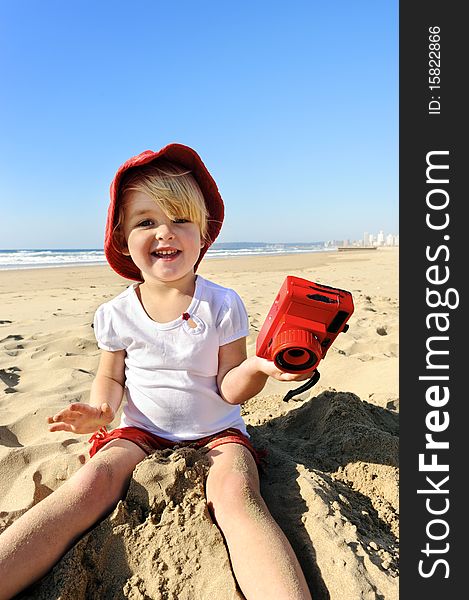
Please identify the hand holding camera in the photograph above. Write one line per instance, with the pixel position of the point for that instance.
(302, 324)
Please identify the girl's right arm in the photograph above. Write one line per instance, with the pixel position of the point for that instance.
(106, 397)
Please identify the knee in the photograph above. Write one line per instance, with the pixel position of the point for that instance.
(234, 496)
(98, 485)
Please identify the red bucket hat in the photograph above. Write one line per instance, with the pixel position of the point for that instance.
(188, 159)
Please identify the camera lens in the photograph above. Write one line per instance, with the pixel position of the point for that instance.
(296, 359)
(296, 350)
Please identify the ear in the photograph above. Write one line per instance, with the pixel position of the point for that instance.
(124, 248)
(121, 242)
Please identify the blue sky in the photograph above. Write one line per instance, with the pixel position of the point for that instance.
(293, 108)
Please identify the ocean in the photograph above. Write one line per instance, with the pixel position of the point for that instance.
(41, 258)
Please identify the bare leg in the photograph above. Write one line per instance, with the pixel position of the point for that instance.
(263, 561)
(31, 546)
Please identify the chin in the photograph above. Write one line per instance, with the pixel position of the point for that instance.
(168, 275)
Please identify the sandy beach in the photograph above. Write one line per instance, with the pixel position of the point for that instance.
(331, 479)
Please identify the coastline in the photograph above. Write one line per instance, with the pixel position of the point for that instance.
(43, 259)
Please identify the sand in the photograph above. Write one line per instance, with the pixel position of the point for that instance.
(331, 480)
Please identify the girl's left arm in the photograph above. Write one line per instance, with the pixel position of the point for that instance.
(240, 378)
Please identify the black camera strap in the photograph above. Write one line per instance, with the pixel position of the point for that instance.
(306, 386)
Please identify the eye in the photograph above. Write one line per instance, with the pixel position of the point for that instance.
(181, 220)
(145, 223)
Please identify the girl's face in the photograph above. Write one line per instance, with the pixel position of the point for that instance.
(164, 250)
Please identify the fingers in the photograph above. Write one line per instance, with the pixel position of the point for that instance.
(81, 418)
(62, 421)
(300, 377)
(270, 368)
(61, 427)
(63, 416)
(291, 377)
(71, 414)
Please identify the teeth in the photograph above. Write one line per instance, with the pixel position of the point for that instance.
(166, 252)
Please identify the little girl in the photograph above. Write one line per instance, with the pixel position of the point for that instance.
(174, 344)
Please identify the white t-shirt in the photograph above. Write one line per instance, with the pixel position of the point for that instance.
(171, 368)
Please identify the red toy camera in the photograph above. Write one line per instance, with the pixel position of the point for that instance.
(302, 324)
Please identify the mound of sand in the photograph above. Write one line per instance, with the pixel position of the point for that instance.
(331, 475)
(332, 484)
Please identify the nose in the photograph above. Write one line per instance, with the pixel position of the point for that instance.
(164, 232)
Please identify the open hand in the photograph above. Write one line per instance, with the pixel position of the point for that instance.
(81, 418)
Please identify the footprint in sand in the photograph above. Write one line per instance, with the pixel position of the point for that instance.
(15, 338)
(8, 438)
(11, 348)
(10, 378)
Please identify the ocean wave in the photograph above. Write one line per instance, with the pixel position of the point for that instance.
(27, 259)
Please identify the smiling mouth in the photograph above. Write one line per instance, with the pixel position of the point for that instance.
(166, 254)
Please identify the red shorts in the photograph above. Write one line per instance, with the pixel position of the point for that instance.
(150, 442)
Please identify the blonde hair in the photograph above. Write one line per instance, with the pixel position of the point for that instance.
(173, 188)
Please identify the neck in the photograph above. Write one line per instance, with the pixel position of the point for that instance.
(185, 285)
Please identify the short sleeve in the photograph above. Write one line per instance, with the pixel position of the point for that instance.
(104, 331)
(233, 322)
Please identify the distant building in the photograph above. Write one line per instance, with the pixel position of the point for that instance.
(380, 239)
(369, 239)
